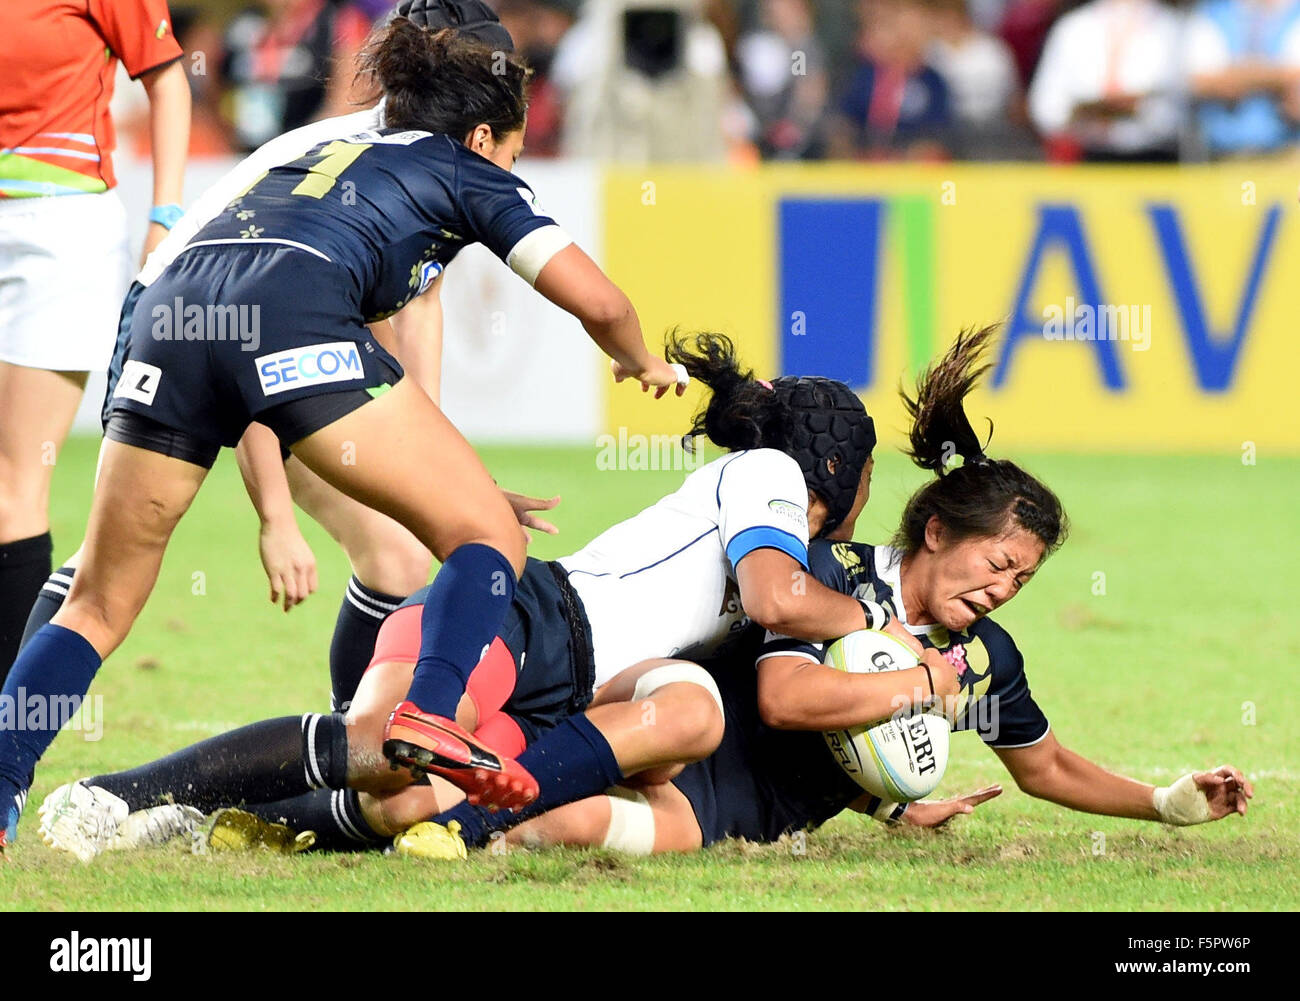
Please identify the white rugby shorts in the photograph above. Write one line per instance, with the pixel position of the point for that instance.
(65, 266)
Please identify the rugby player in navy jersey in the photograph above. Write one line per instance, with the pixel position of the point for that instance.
(968, 542)
(387, 561)
(318, 270)
(624, 616)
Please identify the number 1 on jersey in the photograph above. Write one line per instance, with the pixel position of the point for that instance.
(335, 158)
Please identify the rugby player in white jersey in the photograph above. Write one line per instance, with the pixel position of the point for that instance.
(612, 625)
(969, 541)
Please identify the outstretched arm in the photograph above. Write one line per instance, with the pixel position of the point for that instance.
(1052, 772)
(575, 283)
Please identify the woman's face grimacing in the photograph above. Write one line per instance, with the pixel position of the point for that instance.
(962, 580)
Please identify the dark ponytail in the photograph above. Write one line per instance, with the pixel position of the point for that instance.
(940, 427)
(444, 81)
(982, 497)
(820, 423)
(741, 413)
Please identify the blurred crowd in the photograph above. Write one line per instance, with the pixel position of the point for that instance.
(748, 80)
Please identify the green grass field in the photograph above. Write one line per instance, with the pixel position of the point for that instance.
(1186, 661)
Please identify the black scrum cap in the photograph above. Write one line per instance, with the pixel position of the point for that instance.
(471, 17)
(828, 422)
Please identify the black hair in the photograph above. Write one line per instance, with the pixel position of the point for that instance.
(820, 423)
(982, 496)
(741, 412)
(444, 81)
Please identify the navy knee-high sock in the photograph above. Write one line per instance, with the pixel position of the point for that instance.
(45, 687)
(262, 762)
(466, 606)
(24, 565)
(53, 594)
(360, 615)
(333, 814)
(570, 763)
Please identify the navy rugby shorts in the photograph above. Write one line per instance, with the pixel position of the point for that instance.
(231, 334)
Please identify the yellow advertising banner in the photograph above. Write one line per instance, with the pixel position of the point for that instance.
(1143, 309)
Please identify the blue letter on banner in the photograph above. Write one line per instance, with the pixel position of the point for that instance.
(1214, 358)
(830, 254)
(1059, 224)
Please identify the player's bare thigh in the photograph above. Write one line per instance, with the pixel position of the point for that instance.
(657, 728)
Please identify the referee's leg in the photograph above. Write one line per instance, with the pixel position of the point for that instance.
(36, 411)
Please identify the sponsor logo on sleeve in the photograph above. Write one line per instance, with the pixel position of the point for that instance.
(311, 366)
(790, 511)
(531, 200)
(423, 275)
(138, 382)
(396, 139)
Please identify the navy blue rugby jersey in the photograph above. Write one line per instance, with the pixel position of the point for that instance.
(995, 700)
(763, 782)
(392, 207)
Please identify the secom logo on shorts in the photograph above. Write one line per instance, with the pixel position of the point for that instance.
(320, 363)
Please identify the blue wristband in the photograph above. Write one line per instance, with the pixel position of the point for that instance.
(166, 216)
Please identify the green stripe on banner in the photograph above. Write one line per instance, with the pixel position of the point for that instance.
(913, 234)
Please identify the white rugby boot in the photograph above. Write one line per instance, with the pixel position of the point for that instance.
(80, 819)
(156, 826)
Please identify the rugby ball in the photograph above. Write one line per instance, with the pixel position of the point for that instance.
(904, 757)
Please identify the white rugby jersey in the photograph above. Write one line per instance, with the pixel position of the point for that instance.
(280, 150)
(663, 582)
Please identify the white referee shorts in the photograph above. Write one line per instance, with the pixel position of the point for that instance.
(64, 270)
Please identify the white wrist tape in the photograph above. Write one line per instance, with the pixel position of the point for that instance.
(885, 811)
(1182, 803)
(683, 377)
(877, 614)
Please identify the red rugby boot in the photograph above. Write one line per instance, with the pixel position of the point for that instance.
(435, 745)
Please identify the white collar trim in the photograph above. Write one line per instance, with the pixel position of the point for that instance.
(889, 569)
